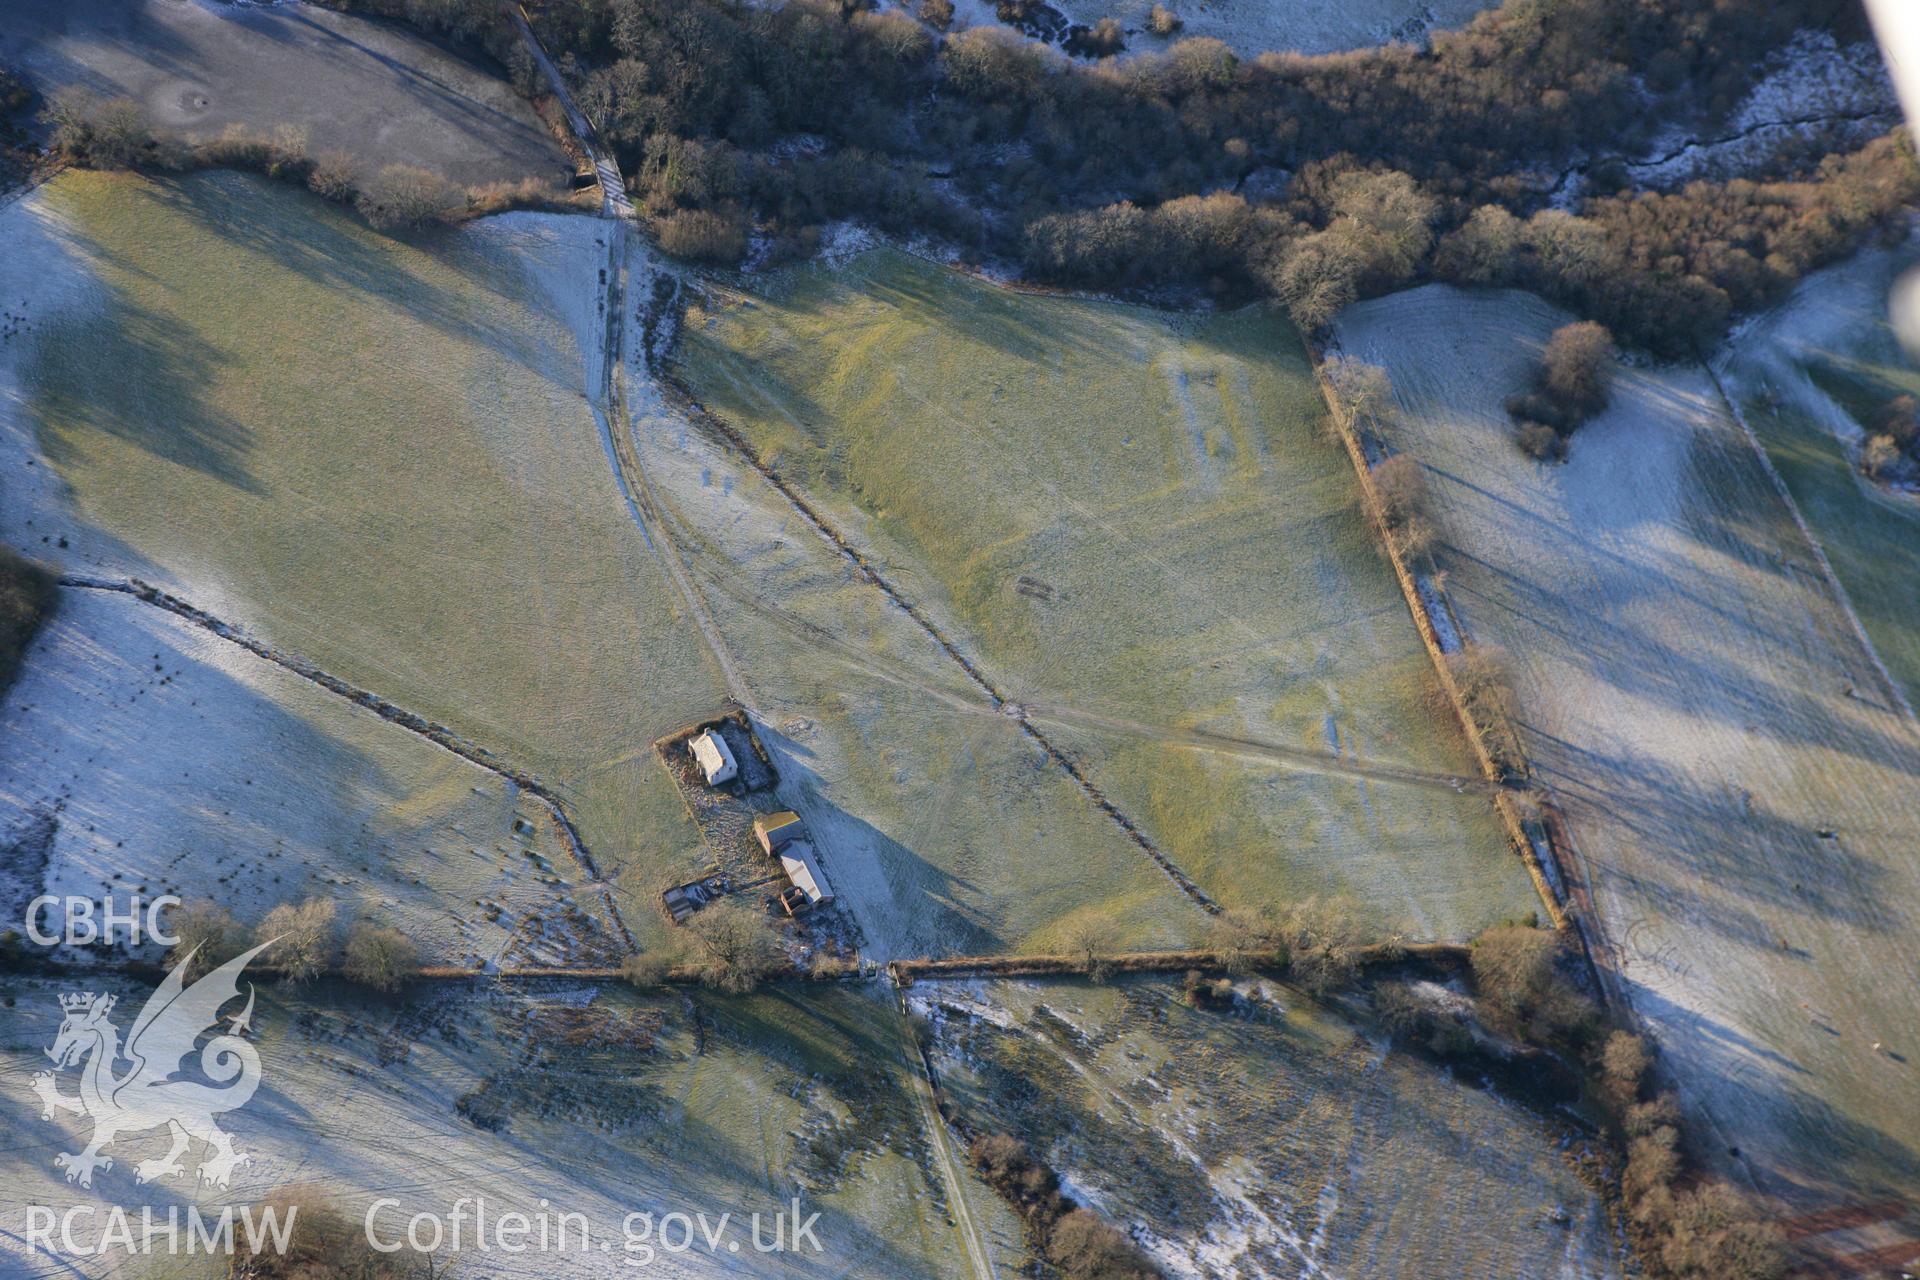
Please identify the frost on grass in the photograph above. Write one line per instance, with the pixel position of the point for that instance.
(565, 1099)
(1812, 377)
(452, 540)
(337, 81)
(1274, 1140)
(162, 759)
(1736, 779)
(1186, 558)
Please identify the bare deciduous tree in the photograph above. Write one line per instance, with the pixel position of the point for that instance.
(402, 195)
(302, 937)
(1087, 943)
(207, 933)
(383, 959)
(737, 946)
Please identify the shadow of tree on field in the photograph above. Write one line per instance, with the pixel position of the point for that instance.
(299, 232)
(1765, 1104)
(134, 374)
(1605, 611)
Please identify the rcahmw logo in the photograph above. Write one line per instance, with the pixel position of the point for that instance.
(148, 1095)
(78, 1232)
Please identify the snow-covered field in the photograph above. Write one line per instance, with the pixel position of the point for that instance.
(1738, 783)
(146, 756)
(1276, 1139)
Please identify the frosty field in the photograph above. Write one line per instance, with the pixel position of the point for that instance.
(146, 756)
(373, 453)
(374, 90)
(1810, 377)
(1277, 1139)
(601, 1103)
(1740, 789)
(445, 526)
(1130, 521)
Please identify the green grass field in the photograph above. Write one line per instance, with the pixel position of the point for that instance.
(1132, 520)
(1811, 376)
(1278, 1138)
(373, 452)
(380, 455)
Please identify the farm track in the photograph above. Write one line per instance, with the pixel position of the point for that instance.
(613, 189)
(418, 725)
(926, 1089)
(1297, 759)
(643, 503)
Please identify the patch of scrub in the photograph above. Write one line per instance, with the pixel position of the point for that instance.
(375, 453)
(1812, 377)
(149, 757)
(1698, 704)
(1277, 1139)
(1132, 522)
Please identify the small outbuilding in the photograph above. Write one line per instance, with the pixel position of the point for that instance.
(715, 758)
(804, 870)
(773, 830)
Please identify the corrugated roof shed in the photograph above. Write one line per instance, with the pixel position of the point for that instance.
(776, 829)
(805, 872)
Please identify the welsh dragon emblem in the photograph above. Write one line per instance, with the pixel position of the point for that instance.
(149, 1092)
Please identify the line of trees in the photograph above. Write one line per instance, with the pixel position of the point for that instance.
(116, 133)
(306, 943)
(736, 119)
(1702, 1231)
